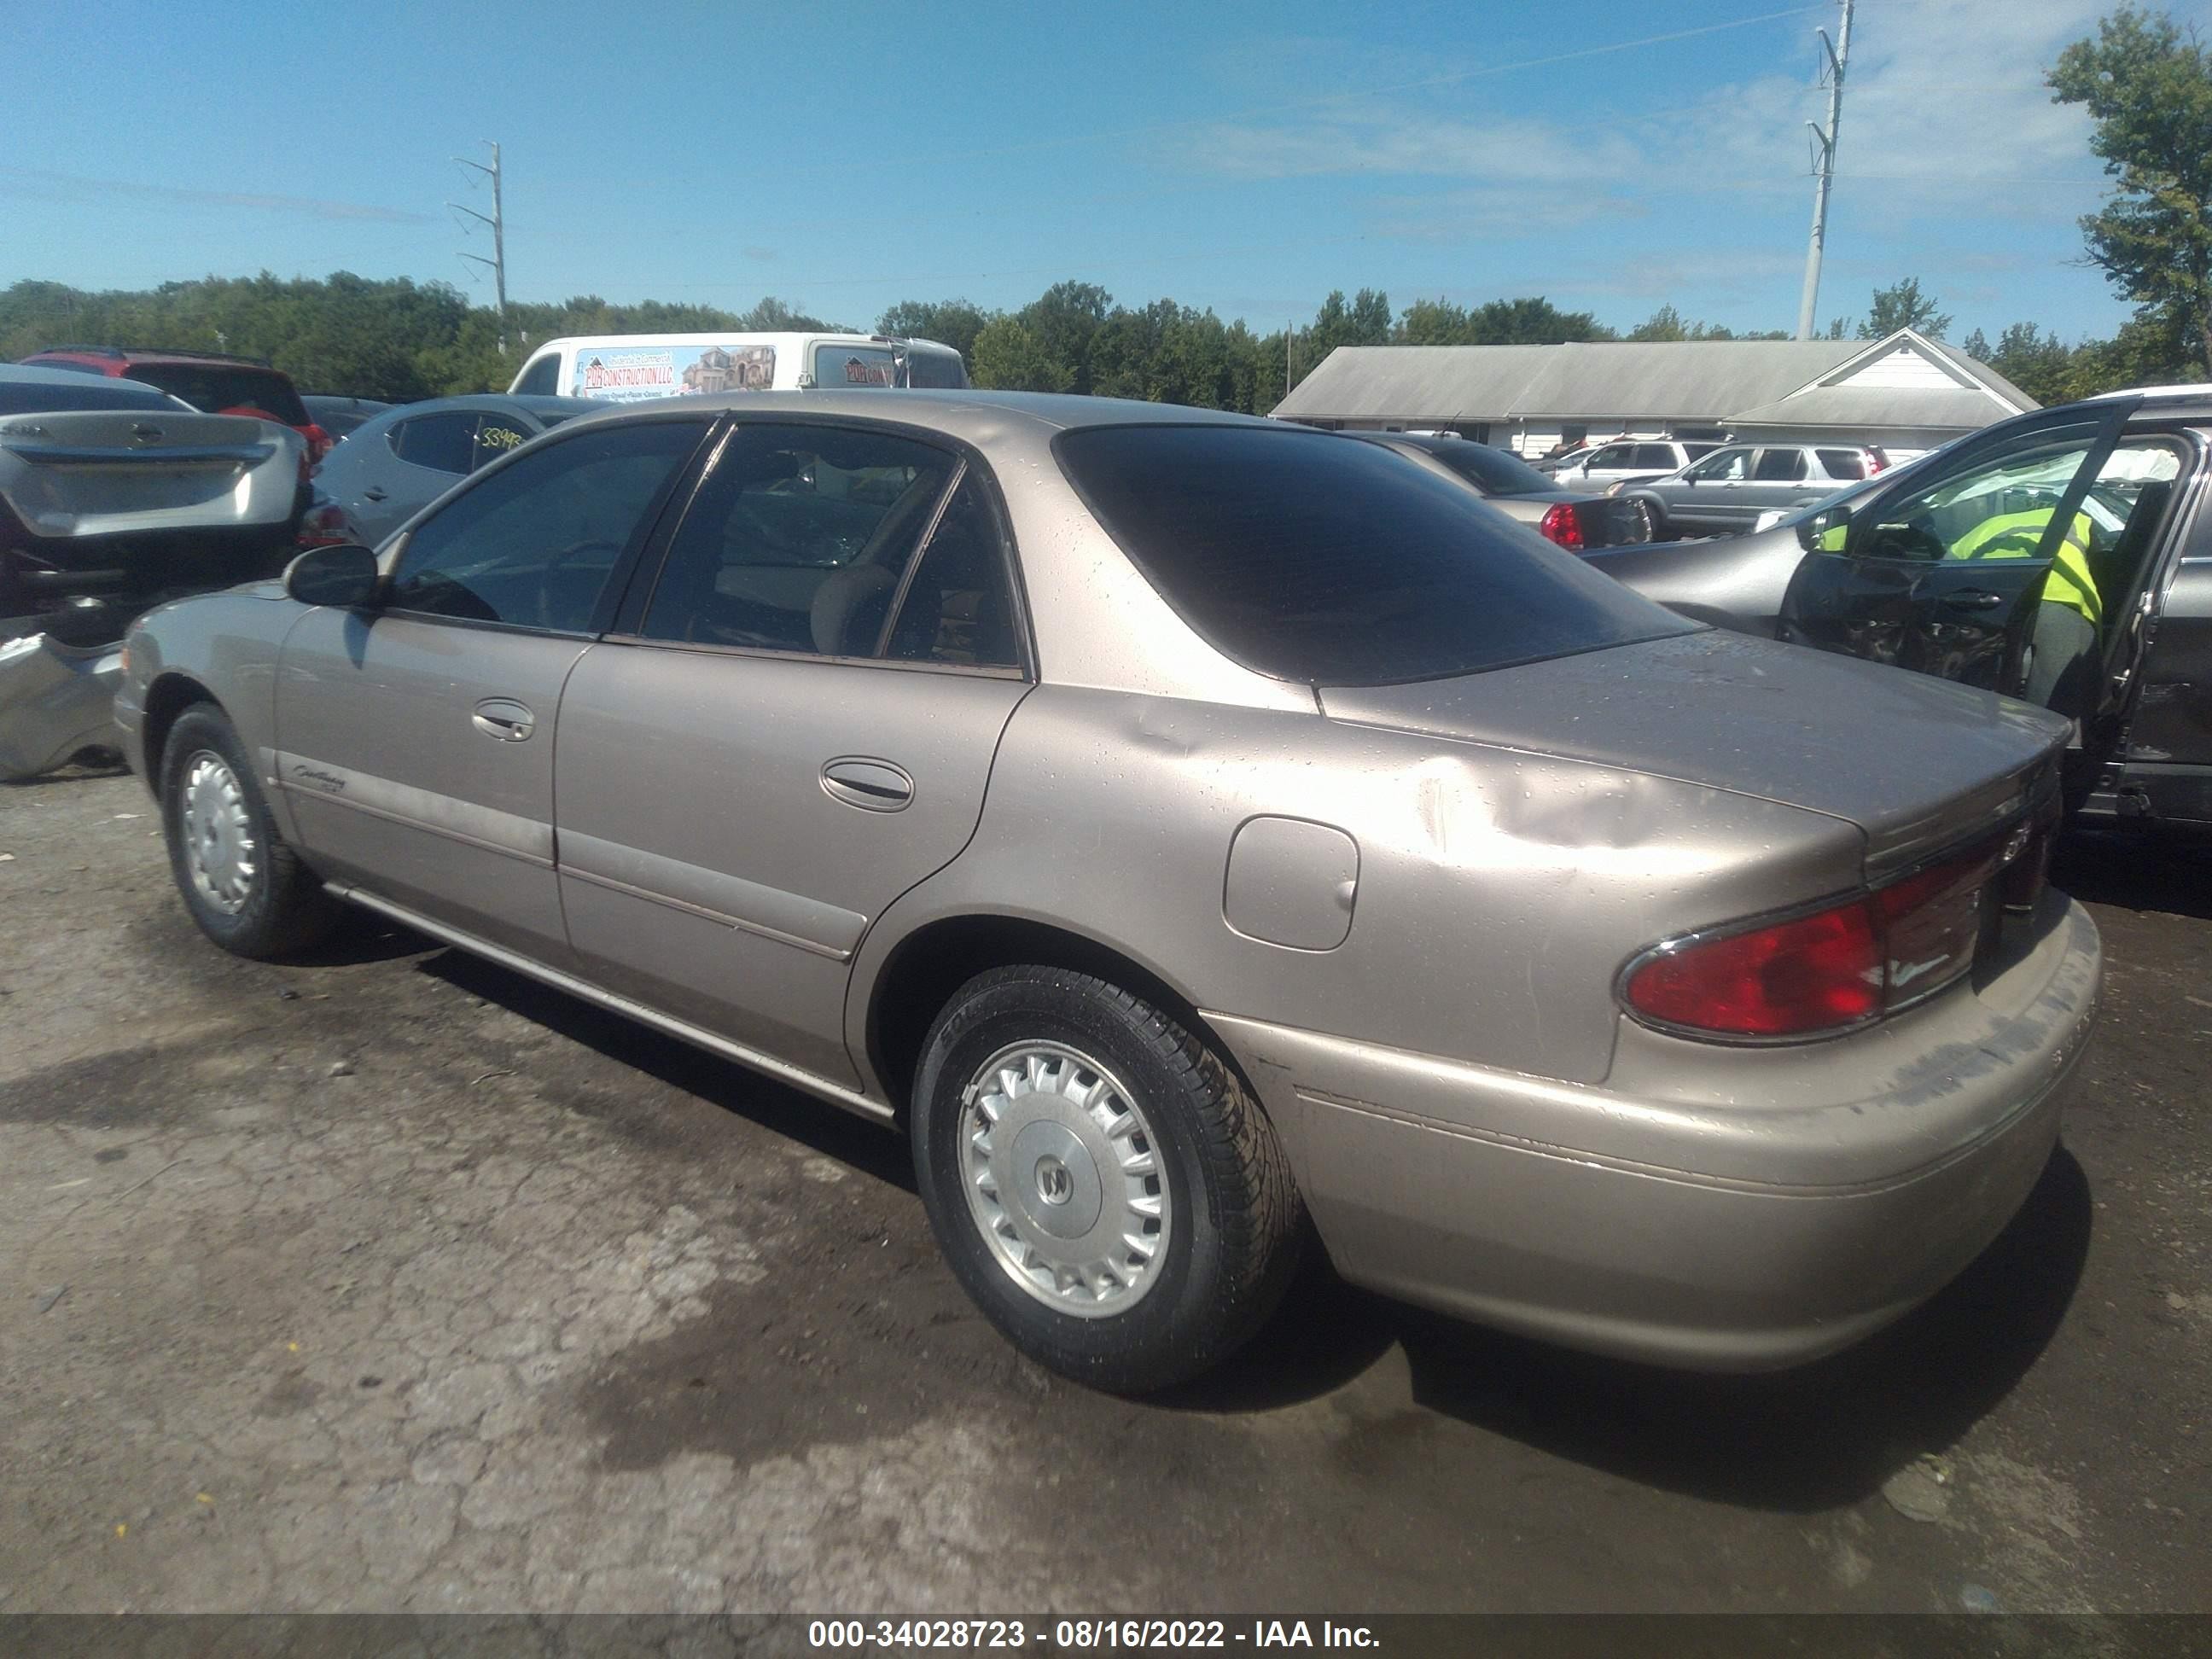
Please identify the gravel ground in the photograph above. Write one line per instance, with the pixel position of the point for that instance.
(392, 1281)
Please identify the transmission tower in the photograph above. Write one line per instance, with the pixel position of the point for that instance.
(497, 219)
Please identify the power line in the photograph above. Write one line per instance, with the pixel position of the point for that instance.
(1454, 77)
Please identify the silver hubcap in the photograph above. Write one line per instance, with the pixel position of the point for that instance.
(222, 855)
(1063, 1179)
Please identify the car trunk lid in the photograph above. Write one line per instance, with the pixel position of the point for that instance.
(96, 472)
(1918, 763)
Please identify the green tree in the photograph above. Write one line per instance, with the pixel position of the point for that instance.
(2148, 88)
(1902, 304)
(1063, 319)
(1011, 356)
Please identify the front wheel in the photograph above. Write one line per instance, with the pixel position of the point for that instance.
(243, 883)
(1099, 1180)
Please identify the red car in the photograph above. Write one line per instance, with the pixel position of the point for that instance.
(211, 381)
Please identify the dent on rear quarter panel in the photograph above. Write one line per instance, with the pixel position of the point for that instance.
(1499, 892)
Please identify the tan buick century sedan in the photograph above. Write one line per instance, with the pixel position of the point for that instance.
(1180, 826)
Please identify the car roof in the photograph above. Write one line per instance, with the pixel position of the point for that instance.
(31, 375)
(968, 413)
(493, 402)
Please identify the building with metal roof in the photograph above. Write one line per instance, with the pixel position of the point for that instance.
(1905, 391)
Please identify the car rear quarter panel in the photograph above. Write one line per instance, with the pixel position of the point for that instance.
(1498, 893)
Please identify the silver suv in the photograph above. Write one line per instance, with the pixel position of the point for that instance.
(1625, 459)
(1727, 492)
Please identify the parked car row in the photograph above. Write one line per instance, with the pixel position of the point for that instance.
(1727, 490)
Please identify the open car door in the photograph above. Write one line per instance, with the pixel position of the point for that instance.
(1946, 572)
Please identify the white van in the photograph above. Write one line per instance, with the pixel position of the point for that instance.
(628, 369)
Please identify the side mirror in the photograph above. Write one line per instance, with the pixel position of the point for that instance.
(345, 576)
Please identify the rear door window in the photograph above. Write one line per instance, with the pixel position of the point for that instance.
(1847, 463)
(442, 442)
(958, 606)
(1780, 465)
(493, 436)
(1492, 472)
(1309, 559)
(798, 540)
(1659, 458)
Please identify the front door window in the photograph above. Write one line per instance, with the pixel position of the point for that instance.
(533, 545)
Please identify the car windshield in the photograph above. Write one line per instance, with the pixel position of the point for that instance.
(44, 397)
(1492, 472)
(215, 387)
(1309, 559)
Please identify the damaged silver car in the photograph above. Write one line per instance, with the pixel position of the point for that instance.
(1181, 827)
(113, 497)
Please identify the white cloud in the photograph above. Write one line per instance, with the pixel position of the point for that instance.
(1945, 112)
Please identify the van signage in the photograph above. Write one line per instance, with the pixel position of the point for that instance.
(626, 374)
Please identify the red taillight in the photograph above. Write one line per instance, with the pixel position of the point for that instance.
(1812, 974)
(1563, 525)
(1825, 972)
(323, 526)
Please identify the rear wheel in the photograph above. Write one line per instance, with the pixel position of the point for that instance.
(243, 883)
(1098, 1179)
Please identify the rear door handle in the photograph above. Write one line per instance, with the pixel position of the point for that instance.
(873, 785)
(504, 719)
(374, 493)
(1974, 598)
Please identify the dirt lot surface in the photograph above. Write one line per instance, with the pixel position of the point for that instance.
(392, 1281)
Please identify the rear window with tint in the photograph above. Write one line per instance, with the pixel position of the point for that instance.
(216, 388)
(38, 397)
(1308, 558)
(1492, 472)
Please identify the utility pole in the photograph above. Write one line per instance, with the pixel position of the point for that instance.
(497, 219)
(1823, 166)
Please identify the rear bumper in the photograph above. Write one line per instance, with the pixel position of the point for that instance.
(1755, 1210)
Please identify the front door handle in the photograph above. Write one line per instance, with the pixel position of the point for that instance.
(873, 785)
(504, 719)
(1974, 598)
(374, 493)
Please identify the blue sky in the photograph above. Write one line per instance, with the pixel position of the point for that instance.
(1244, 157)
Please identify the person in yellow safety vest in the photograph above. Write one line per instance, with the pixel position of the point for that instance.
(2069, 620)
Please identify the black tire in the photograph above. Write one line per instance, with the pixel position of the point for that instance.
(1236, 1222)
(284, 910)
